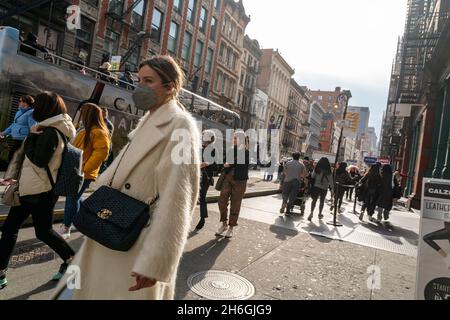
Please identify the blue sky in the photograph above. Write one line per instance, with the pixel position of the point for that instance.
(330, 43)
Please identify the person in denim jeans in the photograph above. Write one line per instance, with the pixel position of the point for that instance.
(95, 141)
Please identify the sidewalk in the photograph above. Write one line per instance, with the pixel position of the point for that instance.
(256, 188)
(280, 256)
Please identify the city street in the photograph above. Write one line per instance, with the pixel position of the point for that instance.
(282, 257)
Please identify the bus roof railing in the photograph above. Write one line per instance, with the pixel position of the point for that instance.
(56, 60)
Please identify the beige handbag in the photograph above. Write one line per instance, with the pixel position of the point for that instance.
(11, 195)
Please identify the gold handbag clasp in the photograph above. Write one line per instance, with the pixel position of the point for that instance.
(104, 214)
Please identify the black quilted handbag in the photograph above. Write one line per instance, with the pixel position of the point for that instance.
(112, 218)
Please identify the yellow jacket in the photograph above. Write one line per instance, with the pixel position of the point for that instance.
(95, 154)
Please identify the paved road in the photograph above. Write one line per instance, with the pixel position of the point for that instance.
(281, 256)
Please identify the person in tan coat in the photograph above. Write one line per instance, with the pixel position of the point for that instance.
(148, 167)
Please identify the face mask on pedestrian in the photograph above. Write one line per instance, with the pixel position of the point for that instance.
(144, 98)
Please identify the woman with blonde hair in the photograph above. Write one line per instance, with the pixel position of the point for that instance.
(93, 138)
(159, 167)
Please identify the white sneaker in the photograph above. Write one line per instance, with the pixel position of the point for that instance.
(229, 233)
(283, 208)
(221, 230)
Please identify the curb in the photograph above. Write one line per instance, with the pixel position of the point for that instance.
(59, 214)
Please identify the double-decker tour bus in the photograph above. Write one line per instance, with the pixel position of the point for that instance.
(25, 74)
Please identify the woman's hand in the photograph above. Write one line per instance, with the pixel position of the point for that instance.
(7, 182)
(142, 282)
(227, 165)
(37, 130)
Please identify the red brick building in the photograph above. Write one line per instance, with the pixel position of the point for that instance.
(327, 133)
(327, 100)
(184, 29)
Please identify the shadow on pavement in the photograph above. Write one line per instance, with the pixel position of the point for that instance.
(390, 232)
(45, 287)
(200, 259)
(284, 227)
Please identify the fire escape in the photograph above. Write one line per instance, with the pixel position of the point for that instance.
(122, 19)
(422, 32)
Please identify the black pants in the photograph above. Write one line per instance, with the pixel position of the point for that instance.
(370, 202)
(349, 193)
(42, 213)
(339, 193)
(204, 187)
(12, 149)
(315, 194)
(443, 234)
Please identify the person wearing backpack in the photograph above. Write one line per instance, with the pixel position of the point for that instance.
(94, 141)
(20, 128)
(43, 149)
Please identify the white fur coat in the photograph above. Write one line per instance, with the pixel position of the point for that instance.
(146, 171)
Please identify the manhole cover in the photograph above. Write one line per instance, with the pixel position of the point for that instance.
(219, 285)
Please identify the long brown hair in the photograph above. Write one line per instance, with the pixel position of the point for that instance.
(92, 117)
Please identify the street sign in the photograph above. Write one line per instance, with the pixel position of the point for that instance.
(384, 161)
(433, 259)
(370, 161)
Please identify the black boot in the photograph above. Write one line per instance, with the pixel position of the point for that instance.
(201, 224)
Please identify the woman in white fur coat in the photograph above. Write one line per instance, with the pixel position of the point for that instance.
(149, 167)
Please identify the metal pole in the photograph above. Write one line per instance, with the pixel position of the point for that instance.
(338, 189)
(394, 118)
(49, 23)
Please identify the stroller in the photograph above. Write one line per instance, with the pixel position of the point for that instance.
(302, 197)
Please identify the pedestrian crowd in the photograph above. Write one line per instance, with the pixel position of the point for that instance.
(138, 216)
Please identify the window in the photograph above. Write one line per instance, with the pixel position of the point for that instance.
(116, 7)
(83, 38)
(192, 6)
(203, 19)
(156, 25)
(178, 6)
(137, 16)
(217, 4)
(173, 37)
(320, 98)
(209, 60)
(222, 50)
(213, 29)
(111, 43)
(198, 53)
(187, 42)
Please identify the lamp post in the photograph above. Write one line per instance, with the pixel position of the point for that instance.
(341, 99)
